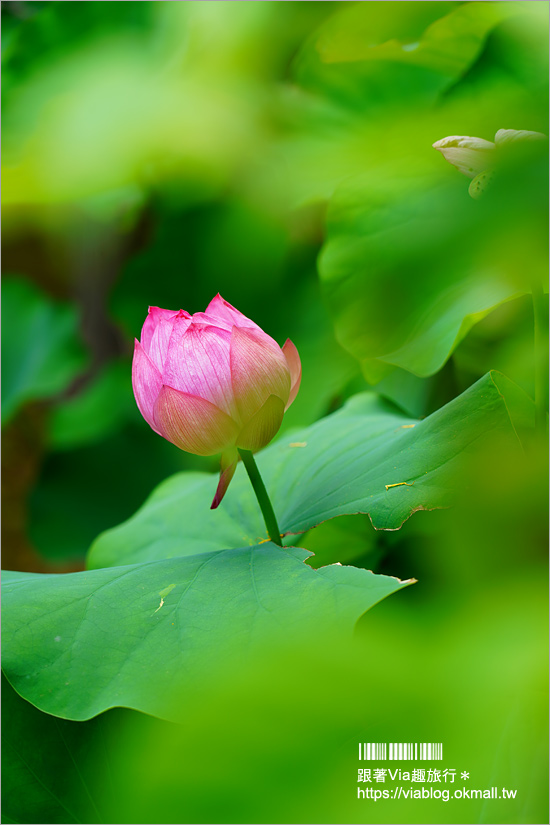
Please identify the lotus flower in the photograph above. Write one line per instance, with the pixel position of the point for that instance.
(476, 157)
(213, 381)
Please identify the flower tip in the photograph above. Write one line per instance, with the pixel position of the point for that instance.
(220, 297)
(228, 467)
(445, 142)
(222, 489)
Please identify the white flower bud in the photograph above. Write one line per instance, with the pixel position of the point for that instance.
(470, 155)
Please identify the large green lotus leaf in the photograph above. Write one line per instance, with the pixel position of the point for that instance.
(41, 351)
(343, 464)
(79, 643)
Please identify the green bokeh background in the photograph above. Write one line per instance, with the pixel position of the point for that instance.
(156, 153)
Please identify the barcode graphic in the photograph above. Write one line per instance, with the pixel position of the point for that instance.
(373, 750)
(398, 751)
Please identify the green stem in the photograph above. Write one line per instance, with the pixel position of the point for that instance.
(541, 357)
(261, 494)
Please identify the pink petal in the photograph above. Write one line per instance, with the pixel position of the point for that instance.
(258, 370)
(158, 317)
(165, 329)
(206, 320)
(295, 366)
(261, 428)
(192, 423)
(147, 384)
(228, 467)
(198, 364)
(223, 311)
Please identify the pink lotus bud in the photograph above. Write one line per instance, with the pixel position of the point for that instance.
(213, 381)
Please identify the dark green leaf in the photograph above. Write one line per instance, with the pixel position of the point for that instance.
(100, 409)
(42, 352)
(44, 775)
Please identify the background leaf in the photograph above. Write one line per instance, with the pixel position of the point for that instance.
(42, 352)
(429, 46)
(95, 413)
(410, 263)
(410, 266)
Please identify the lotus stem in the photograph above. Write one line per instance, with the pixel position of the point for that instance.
(261, 494)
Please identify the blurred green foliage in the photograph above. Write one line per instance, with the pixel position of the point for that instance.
(42, 353)
(157, 153)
